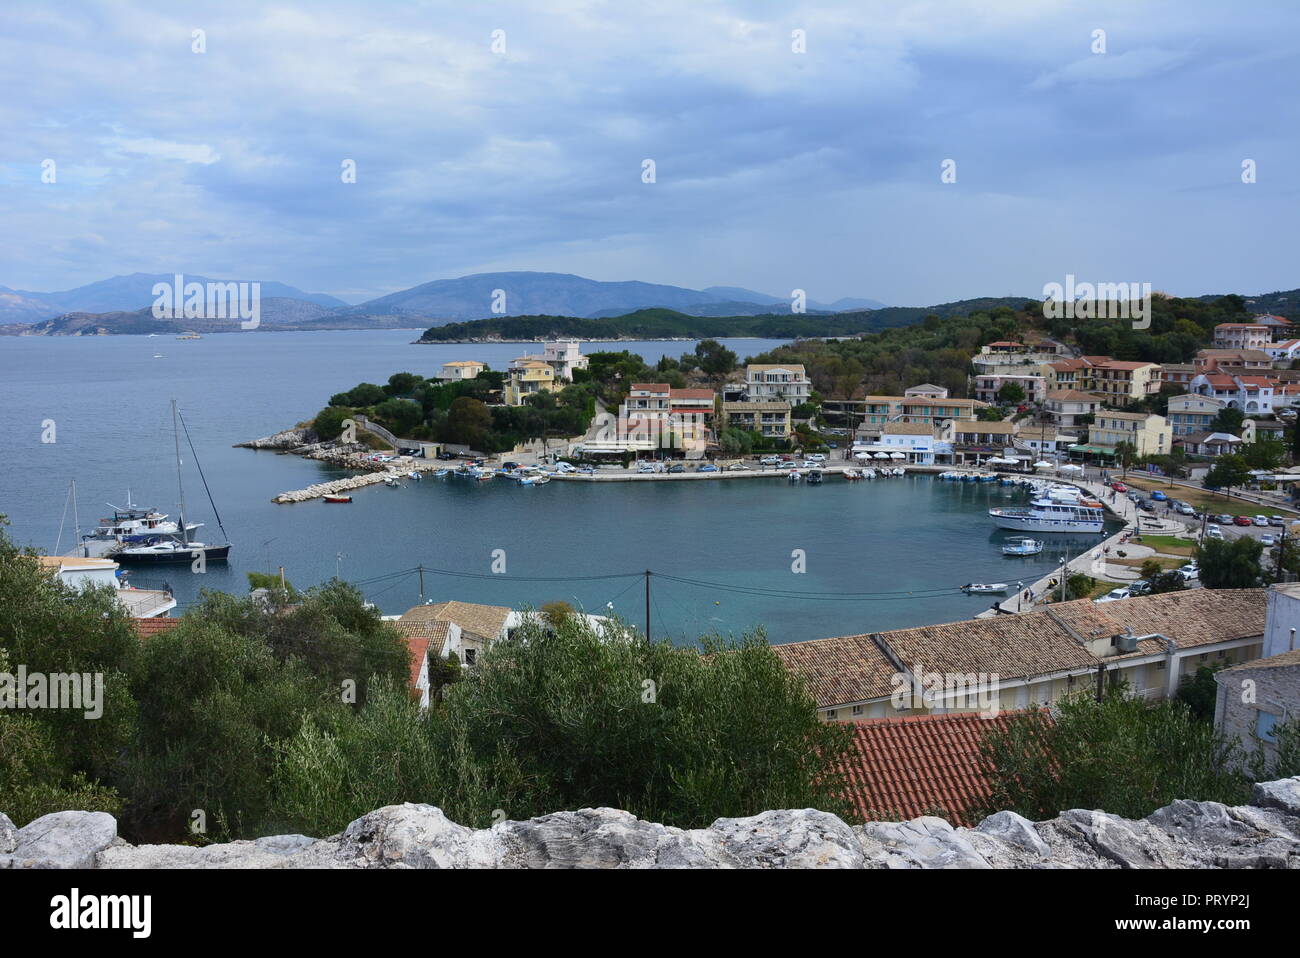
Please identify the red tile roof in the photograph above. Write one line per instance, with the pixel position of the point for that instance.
(147, 627)
(691, 393)
(921, 765)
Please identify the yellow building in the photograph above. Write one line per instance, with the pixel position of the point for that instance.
(1150, 435)
(526, 377)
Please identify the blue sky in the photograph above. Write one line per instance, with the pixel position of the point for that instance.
(775, 170)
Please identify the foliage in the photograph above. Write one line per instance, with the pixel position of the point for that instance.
(1230, 563)
(1229, 420)
(1122, 754)
(328, 424)
(1011, 393)
(1199, 692)
(1227, 471)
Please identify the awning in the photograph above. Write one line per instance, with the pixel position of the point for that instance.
(1096, 450)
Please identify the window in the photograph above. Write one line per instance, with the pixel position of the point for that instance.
(857, 710)
(830, 713)
(470, 655)
(1265, 727)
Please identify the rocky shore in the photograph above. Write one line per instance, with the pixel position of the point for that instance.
(1185, 834)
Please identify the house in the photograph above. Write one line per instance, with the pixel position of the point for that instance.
(1192, 412)
(1256, 430)
(82, 573)
(1178, 374)
(914, 440)
(1279, 327)
(912, 765)
(1043, 440)
(925, 391)
(1241, 336)
(976, 441)
(872, 412)
(1122, 383)
(1034, 658)
(1253, 395)
(1254, 698)
(669, 418)
(1011, 358)
(461, 369)
(767, 382)
(526, 377)
(1209, 360)
(1283, 619)
(563, 357)
(1284, 352)
(1149, 434)
(988, 387)
(1066, 407)
(1209, 443)
(771, 419)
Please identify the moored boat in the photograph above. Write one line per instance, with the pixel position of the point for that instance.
(1022, 546)
(338, 498)
(985, 588)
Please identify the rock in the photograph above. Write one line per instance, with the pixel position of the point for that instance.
(1183, 834)
(1283, 794)
(62, 840)
(802, 838)
(1016, 830)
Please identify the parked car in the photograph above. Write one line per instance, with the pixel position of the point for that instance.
(1184, 509)
(833, 445)
(817, 457)
(1261, 520)
(809, 464)
(1145, 506)
(1242, 521)
(706, 467)
(1159, 496)
(644, 467)
(444, 454)
(1276, 521)
(677, 468)
(1119, 487)
(565, 468)
(1134, 497)
(1268, 540)
(587, 470)
(1213, 532)
(785, 465)
(1140, 587)
(770, 460)
(1225, 519)
(1114, 595)
(738, 467)
(1190, 572)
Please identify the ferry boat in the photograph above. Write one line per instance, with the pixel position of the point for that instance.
(1053, 513)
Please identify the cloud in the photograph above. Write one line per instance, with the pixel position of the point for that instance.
(164, 150)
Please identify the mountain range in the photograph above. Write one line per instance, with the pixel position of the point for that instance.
(123, 303)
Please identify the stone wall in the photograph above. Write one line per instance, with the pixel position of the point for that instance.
(1186, 834)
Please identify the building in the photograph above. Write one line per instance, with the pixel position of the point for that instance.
(1178, 374)
(80, 573)
(1192, 412)
(1256, 430)
(925, 391)
(973, 442)
(1035, 658)
(1044, 440)
(461, 369)
(1066, 407)
(1033, 386)
(1256, 697)
(769, 382)
(657, 416)
(1122, 383)
(1209, 443)
(1253, 395)
(872, 412)
(770, 419)
(564, 357)
(915, 441)
(1149, 434)
(1283, 352)
(527, 377)
(1209, 360)
(912, 765)
(1241, 336)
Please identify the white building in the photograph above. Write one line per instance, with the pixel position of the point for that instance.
(461, 369)
(770, 382)
(83, 573)
(564, 356)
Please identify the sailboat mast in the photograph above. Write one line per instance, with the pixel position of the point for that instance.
(180, 485)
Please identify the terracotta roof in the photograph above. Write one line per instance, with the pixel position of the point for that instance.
(909, 429)
(482, 621)
(147, 627)
(843, 671)
(1072, 395)
(850, 668)
(690, 393)
(792, 367)
(1123, 364)
(1281, 660)
(653, 387)
(906, 767)
(465, 362)
(1006, 342)
(422, 638)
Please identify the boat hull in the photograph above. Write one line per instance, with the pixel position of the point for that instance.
(175, 556)
(1035, 524)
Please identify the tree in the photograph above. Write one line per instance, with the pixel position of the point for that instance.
(1122, 754)
(1010, 394)
(1230, 564)
(1160, 580)
(328, 424)
(714, 358)
(990, 414)
(402, 384)
(468, 422)
(1199, 692)
(1229, 420)
(1228, 471)
(1266, 454)
(400, 415)
(1125, 454)
(366, 394)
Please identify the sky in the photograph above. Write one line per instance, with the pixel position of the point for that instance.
(795, 146)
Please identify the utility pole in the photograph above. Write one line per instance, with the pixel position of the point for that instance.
(420, 568)
(647, 606)
(1101, 680)
(1281, 556)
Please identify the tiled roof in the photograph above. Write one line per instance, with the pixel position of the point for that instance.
(790, 367)
(909, 429)
(652, 387)
(422, 638)
(850, 668)
(1123, 364)
(483, 621)
(1281, 660)
(690, 393)
(152, 626)
(1072, 395)
(905, 767)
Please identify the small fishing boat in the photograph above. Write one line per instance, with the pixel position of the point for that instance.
(1022, 546)
(852, 474)
(441, 472)
(484, 476)
(815, 477)
(391, 481)
(794, 476)
(414, 475)
(985, 588)
(338, 498)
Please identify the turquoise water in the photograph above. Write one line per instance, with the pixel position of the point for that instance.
(109, 399)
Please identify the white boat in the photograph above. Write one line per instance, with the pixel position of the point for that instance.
(1022, 546)
(414, 475)
(794, 476)
(985, 588)
(1053, 513)
(391, 481)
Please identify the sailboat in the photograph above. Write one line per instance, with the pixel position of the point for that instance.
(179, 548)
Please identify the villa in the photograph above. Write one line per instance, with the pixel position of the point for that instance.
(526, 377)
(1192, 412)
(768, 382)
(1149, 434)
(461, 369)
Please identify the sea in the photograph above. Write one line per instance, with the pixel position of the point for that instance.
(792, 561)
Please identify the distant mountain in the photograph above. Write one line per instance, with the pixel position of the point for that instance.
(125, 294)
(563, 294)
(277, 313)
(1281, 303)
(742, 295)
